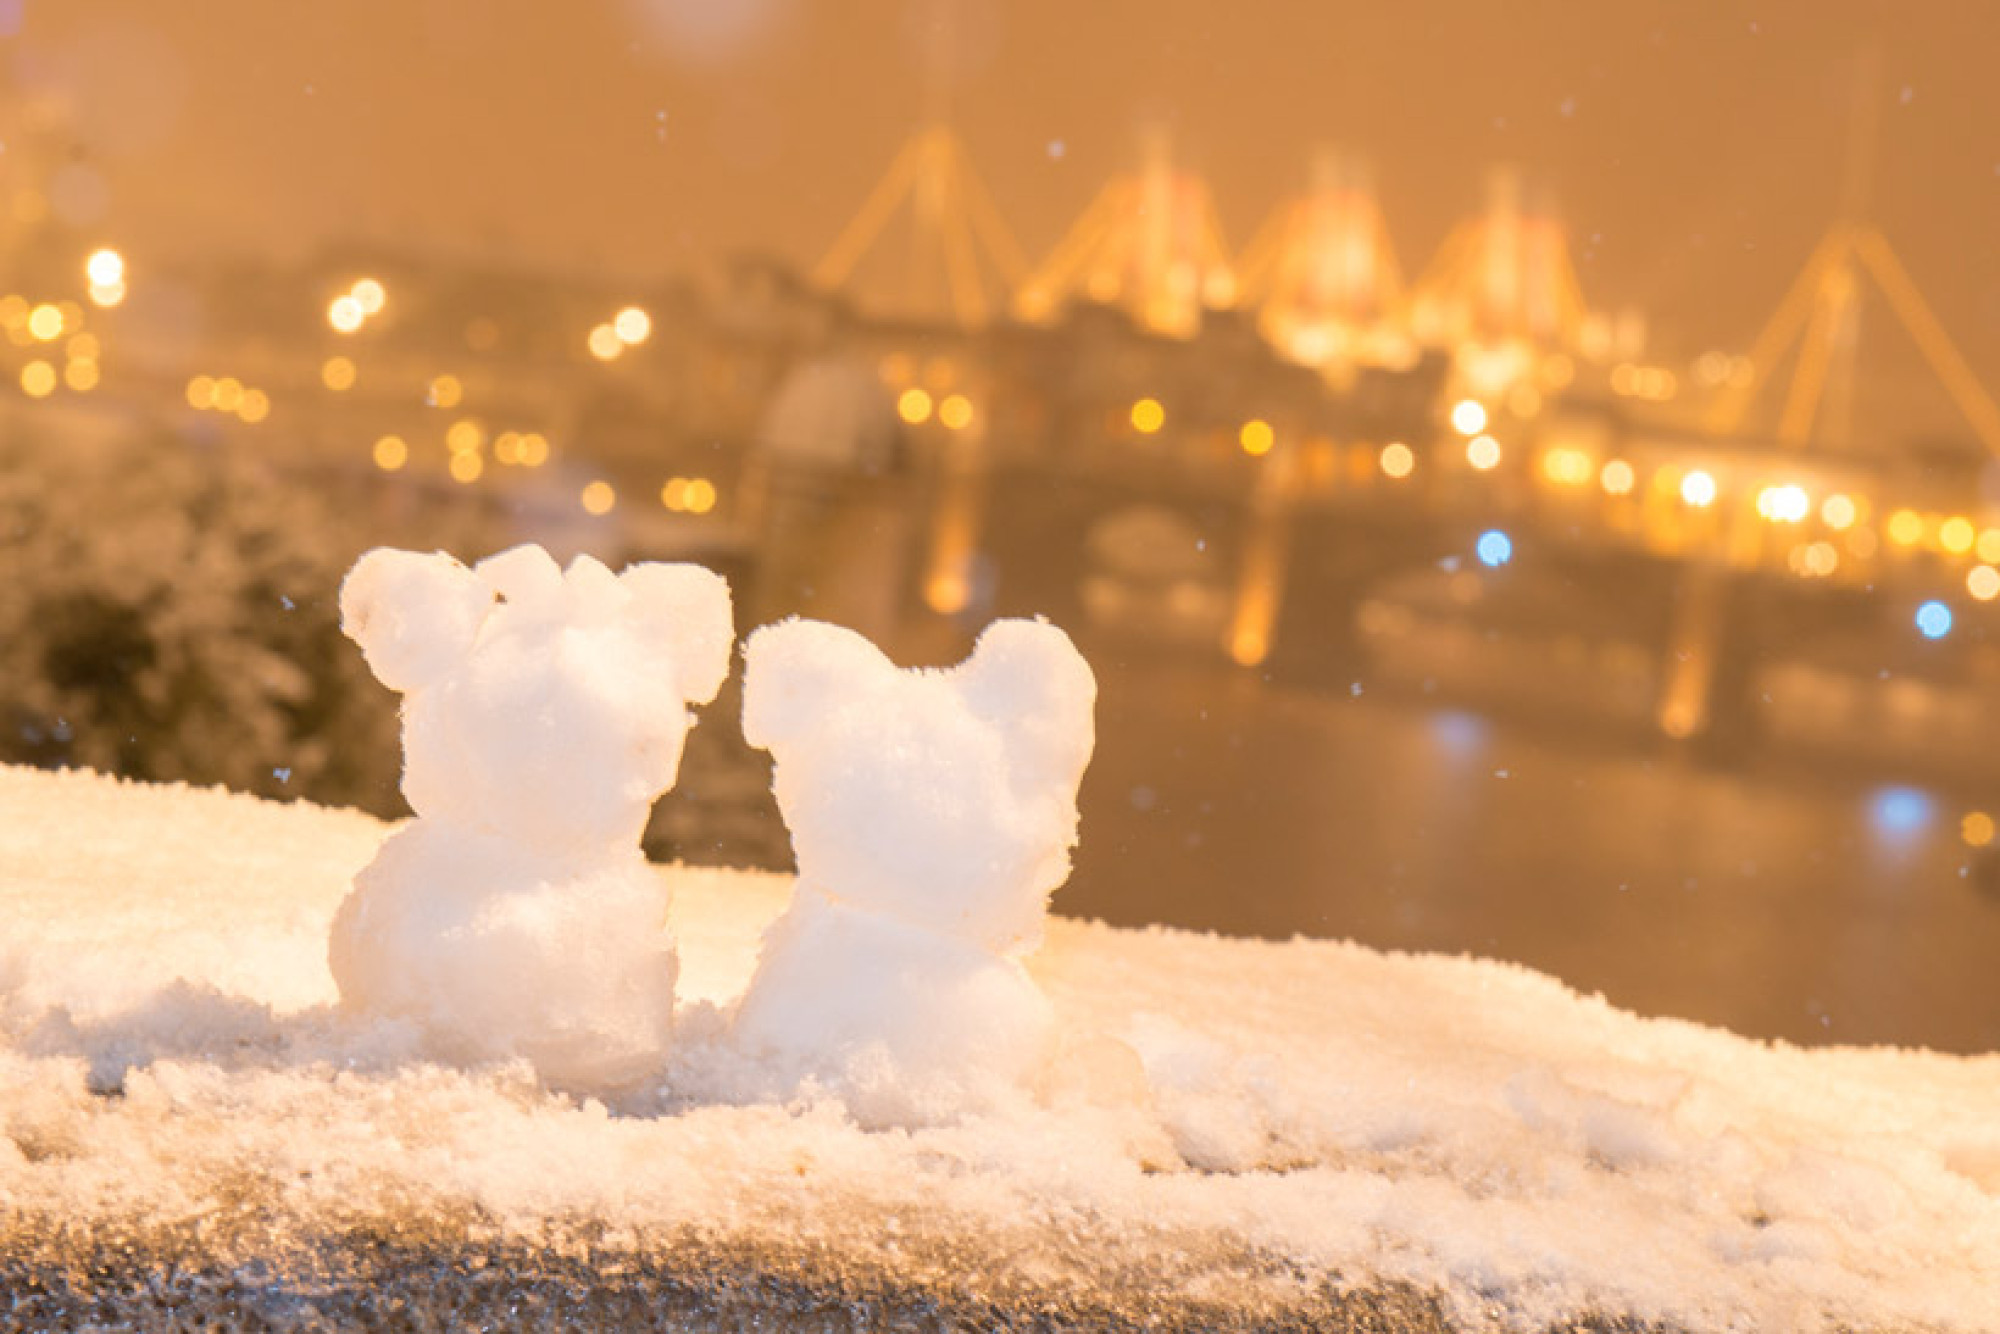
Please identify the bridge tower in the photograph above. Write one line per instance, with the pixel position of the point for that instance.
(1322, 272)
(1502, 292)
(1150, 242)
(959, 263)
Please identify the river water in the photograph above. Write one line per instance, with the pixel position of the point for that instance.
(1790, 901)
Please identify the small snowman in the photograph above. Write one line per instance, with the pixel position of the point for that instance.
(932, 814)
(544, 710)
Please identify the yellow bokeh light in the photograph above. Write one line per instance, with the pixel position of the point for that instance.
(632, 326)
(1256, 437)
(1698, 489)
(228, 394)
(507, 448)
(81, 374)
(13, 311)
(604, 342)
(45, 322)
(674, 494)
(1148, 416)
(955, 412)
(444, 392)
(1398, 460)
(38, 379)
(345, 314)
(106, 295)
(914, 406)
(534, 450)
(1483, 452)
(1567, 467)
(391, 453)
(370, 296)
(1976, 829)
(1618, 479)
(201, 393)
(1988, 546)
(700, 496)
(466, 436)
(1468, 416)
(1906, 528)
(1839, 512)
(1983, 582)
(1957, 534)
(466, 467)
(598, 498)
(255, 407)
(105, 268)
(1784, 504)
(337, 374)
(85, 346)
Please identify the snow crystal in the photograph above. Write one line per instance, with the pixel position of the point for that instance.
(932, 814)
(1230, 1132)
(544, 710)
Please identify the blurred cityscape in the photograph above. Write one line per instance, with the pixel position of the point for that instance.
(1443, 546)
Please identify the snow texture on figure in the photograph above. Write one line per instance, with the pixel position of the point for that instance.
(544, 710)
(932, 814)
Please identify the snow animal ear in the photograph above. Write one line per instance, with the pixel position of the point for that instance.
(415, 615)
(1028, 677)
(794, 671)
(684, 611)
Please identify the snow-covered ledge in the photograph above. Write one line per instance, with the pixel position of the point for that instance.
(1312, 1134)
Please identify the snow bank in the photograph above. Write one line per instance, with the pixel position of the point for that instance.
(1233, 1130)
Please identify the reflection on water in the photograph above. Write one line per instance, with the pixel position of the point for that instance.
(1777, 901)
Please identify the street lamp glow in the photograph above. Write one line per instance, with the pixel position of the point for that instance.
(632, 325)
(604, 342)
(345, 314)
(1784, 504)
(105, 268)
(1698, 489)
(955, 412)
(1256, 437)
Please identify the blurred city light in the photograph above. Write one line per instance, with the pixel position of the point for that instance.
(1483, 452)
(1934, 620)
(1148, 416)
(1494, 548)
(1256, 437)
(1698, 489)
(1468, 416)
(1398, 460)
(632, 326)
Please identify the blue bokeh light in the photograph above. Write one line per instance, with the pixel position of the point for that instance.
(1494, 548)
(1934, 620)
(1899, 812)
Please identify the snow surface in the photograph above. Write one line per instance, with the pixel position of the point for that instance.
(544, 711)
(1231, 1119)
(932, 814)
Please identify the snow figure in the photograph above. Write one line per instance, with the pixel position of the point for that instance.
(932, 814)
(543, 712)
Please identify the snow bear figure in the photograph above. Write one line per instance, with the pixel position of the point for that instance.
(543, 711)
(932, 814)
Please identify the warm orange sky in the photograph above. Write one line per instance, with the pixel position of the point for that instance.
(1695, 148)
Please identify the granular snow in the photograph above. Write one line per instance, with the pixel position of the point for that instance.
(1232, 1133)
